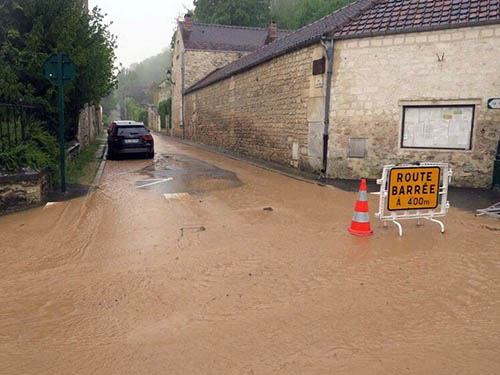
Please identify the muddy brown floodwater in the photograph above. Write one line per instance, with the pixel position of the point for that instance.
(203, 280)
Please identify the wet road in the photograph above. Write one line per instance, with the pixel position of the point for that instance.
(174, 267)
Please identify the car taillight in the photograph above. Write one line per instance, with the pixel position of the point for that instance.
(147, 137)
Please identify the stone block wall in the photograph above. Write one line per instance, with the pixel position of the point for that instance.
(23, 189)
(177, 90)
(375, 77)
(262, 112)
(201, 63)
(89, 125)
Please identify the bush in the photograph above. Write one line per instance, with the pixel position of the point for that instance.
(143, 117)
(40, 150)
(165, 109)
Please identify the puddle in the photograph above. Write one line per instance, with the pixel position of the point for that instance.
(177, 175)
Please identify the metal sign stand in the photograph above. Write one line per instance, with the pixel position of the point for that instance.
(59, 70)
(428, 214)
(493, 211)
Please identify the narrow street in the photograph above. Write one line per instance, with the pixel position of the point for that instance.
(196, 263)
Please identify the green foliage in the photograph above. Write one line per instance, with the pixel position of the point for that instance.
(165, 109)
(289, 14)
(293, 14)
(109, 104)
(39, 151)
(233, 12)
(143, 117)
(135, 111)
(32, 30)
(81, 170)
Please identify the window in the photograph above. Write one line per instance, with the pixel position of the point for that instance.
(132, 130)
(440, 127)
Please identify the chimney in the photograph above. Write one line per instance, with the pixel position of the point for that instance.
(188, 22)
(273, 30)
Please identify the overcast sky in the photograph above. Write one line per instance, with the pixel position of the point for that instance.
(144, 27)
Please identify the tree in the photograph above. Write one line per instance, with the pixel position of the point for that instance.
(31, 31)
(233, 12)
(293, 14)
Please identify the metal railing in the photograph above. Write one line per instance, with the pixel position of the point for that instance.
(16, 120)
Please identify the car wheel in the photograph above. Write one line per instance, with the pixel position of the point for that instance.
(110, 155)
(151, 155)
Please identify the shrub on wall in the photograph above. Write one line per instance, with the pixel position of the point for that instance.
(165, 109)
(40, 150)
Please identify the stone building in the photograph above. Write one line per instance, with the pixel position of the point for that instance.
(375, 83)
(200, 49)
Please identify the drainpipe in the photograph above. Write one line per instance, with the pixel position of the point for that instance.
(328, 47)
(182, 93)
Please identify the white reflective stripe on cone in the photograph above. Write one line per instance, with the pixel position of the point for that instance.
(363, 196)
(361, 217)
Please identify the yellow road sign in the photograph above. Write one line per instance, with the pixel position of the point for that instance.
(413, 188)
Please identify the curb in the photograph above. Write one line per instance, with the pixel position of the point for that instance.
(100, 170)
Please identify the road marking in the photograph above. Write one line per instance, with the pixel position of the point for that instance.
(159, 181)
(173, 196)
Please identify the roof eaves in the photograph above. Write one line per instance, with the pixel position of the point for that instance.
(418, 29)
(236, 27)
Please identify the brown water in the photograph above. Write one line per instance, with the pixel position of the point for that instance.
(124, 281)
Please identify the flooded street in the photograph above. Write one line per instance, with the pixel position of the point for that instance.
(175, 266)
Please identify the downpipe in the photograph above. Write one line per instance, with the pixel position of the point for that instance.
(328, 49)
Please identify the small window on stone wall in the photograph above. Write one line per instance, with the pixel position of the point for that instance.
(440, 127)
(319, 66)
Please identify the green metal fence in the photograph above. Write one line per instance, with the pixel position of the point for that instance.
(15, 122)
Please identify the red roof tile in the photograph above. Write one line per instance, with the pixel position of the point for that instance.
(389, 16)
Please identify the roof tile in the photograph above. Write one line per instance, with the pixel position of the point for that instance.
(225, 38)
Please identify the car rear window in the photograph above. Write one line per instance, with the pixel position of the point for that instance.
(132, 130)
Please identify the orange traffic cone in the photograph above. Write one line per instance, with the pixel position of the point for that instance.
(360, 224)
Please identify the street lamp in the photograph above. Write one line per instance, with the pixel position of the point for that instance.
(169, 76)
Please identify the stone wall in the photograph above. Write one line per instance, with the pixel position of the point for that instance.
(261, 113)
(153, 118)
(177, 77)
(375, 77)
(23, 189)
(89, 125)
(275, 111)
(201, 63)
(196, 65)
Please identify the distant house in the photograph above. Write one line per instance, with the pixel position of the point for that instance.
(201, 48)
(162, 92)
(409, 80)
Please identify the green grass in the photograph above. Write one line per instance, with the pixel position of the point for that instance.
(83, 168)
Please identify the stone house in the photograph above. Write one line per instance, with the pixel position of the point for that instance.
(201, 48)
(377, 82)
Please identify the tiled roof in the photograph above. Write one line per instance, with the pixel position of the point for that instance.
(365, 18)
(225, 38)
(391, 16)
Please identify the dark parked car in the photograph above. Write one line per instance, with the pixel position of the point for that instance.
(129, 137)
